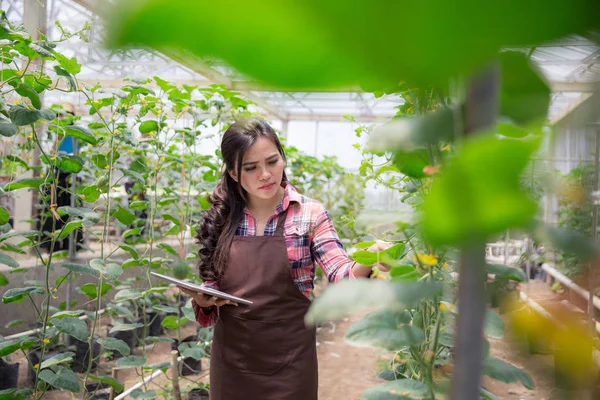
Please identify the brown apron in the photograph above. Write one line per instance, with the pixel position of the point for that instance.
(263, 351)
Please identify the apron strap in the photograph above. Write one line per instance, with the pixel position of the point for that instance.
(281, 222)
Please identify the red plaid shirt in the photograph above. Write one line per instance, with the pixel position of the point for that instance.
(311, 239)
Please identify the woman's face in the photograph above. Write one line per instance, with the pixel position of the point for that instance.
(262, 170)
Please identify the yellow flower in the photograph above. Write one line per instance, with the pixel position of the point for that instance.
(107, 167)
(46, 341)
(36, 366)
(117, 131)
(17, 101)
(20, 73)
(429, 355)
(426, 259)
(405, 393)
(446, 148)
(444, 306)
(293, 160)
(53, 157)
(445, 266)
(55, 290)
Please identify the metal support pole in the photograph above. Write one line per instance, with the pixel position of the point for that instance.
(481, 111)
(72, 243)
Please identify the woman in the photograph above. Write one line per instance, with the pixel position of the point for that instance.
(260, 240)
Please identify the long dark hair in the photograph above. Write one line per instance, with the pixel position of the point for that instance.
(220, 222)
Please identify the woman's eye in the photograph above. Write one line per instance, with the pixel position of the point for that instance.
(273, 162)
(249, 169)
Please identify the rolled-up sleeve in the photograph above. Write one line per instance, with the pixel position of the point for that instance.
(206, 317)
(327, 249)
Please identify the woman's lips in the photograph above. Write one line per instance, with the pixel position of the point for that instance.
(267, 187)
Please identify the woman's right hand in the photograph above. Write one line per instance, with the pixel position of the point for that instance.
(206, 301)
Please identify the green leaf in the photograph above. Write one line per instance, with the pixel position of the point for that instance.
(29, 92)
(115, 344)
(138, 394)
(127, 295)
(8, 260)
(124, 215)
(366, 258)
(173, 322)
(70, 313)
(81, 269)
(167, 309)
(7, 128)
(296, 56)
(168, 248)
(487, 395)
(412, 163)
(130, 249)
(192, 350)
(139, 205)
(504, 272)
(524, 96)
(4, 216)
(16, 295)
(9, 346)
(131, 232)
(188, 311)
(131, 362)
(3, 280)
(62, 72)
(73, 164)
(163, 365)
(91, 290)
(493, 325)
(90, 194)
(57, 359)
(15, 394)
(108, 380)
(148, 126)
(82, 212)
(125, 327)
(479, 192)
(402, 389)
(404, 273)
(62, 379)
(70, 65)
(21, 116)
(70, 227)
(385, 329)
(506, 373)
(33, 183)
(72, 326)
(80, 133)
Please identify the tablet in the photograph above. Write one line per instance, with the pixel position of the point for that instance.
(202, 289)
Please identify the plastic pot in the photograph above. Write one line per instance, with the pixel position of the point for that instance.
(198, 394)
(82, 354)
(126, 336)
(34, 357)
(190, 366)
(9, 375)
(155, 329)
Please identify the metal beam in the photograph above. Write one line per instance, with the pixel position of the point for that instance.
(579, 87)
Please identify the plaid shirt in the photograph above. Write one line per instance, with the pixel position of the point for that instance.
(310, 237)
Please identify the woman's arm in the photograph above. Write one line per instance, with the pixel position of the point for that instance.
(327, 250)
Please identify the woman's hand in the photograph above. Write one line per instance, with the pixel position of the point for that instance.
(206, 301)
(377, 247)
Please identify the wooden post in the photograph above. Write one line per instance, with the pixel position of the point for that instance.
(175, 375)
(480, 112)
(114, 374)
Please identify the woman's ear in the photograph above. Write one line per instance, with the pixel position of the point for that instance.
(233, 175)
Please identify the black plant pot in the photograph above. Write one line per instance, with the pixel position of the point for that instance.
(9, 375)
(190, 366)
(97, 391)
(126, 336)
(198, 394)
(155, 329)
(82, 355)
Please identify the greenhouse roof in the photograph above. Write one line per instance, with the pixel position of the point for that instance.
(572, 67)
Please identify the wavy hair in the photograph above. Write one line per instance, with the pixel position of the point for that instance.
(219, 223)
